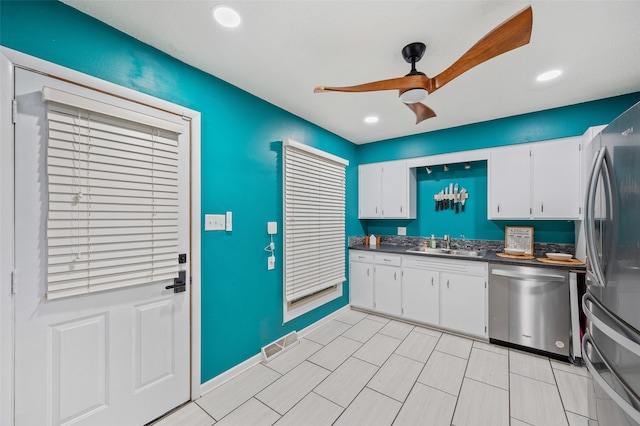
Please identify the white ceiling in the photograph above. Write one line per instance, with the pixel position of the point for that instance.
(283, 49)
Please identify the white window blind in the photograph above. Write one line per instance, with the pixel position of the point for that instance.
(314, 220)
(113, 196)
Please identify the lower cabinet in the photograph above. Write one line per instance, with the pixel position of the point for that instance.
(420, 294)
(462, 303)
(387, 293)
(361, 279)
(448, 293)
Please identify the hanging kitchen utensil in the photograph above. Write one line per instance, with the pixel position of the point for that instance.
(463, 197)
(456, 196)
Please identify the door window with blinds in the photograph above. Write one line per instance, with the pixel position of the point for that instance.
(112, 196)
(314, 224)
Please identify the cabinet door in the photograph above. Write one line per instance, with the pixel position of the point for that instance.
(369, 180)
(556, 179)
(394, 190)
(509, 183)
(361, 284)
(420, 301)
(387, 290)
(463, 303)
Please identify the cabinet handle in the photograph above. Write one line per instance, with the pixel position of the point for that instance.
(376, 209)
(367, 271)
(394, 276)
(447, 283)
(400, 209)
(541, 207)
(431, 281)
(498, 207)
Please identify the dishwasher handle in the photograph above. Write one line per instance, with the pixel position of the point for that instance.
(528, 277)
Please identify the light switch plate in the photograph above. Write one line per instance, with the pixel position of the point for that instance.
(214, 222)
(271, 262)
(402, 230)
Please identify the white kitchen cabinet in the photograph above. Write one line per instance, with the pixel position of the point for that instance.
(535, 181)
(386, 191)
(420, 291)
(387, 284)
(556, 179)
(462, 303)
(361, 279)
(369, 191)
(509, 179)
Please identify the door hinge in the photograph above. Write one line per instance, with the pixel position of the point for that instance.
(14, 282)
(14, 110)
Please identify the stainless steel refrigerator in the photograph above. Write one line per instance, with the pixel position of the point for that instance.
(611, 343)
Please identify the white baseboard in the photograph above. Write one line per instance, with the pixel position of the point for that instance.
(257, 358)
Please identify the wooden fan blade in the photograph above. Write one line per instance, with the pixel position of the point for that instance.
(422, 111)
(511, 34)
(401, 83)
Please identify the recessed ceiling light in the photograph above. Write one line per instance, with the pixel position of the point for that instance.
(226, 16)
(549, 75)
(371, 119)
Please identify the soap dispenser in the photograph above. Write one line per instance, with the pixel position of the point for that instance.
(433, 241)
(372, 241)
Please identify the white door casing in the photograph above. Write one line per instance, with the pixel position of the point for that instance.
(106, 354)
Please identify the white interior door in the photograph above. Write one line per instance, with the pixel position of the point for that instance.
(118, 357)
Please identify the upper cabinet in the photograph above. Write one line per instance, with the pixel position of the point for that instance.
(386, 191)
(509, 179)
(556, 179)
(536, 181)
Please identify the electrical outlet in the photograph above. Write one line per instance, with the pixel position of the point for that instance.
(271, 262)
(402, 230)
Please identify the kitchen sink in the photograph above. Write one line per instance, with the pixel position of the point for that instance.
(447, 252)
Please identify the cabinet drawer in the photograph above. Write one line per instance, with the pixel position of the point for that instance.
(438, 264)
(387, 259)
(360, 256)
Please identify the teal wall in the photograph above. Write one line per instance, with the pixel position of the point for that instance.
(241, 300)
(549, 124)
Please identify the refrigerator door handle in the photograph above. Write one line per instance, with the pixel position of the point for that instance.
(625, 405)
(610, 325)
(589, 213)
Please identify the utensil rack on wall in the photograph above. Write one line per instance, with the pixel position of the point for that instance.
(450, 196)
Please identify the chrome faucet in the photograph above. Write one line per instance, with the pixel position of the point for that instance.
(447, 242)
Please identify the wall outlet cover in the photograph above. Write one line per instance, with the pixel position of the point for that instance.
(402, 230)
(272, 228)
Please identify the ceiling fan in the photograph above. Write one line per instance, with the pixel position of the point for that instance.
(414, 87)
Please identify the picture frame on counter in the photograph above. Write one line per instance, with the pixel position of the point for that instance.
(519, 237)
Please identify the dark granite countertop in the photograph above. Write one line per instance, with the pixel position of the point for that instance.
(490, 257)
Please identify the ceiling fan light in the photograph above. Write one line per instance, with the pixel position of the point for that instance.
(413, 96)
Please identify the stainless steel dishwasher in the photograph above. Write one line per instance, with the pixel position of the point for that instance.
(529, 306)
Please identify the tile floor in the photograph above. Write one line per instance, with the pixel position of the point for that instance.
(362, 369)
